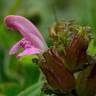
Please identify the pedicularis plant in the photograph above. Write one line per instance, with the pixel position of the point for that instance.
(67, 67)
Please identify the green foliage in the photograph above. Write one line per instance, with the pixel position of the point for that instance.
(34, 90)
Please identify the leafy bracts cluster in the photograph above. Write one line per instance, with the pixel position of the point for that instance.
(69, 57)
(68, 68)
(71, 41)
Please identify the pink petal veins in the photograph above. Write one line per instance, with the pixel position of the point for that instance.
(26, 28)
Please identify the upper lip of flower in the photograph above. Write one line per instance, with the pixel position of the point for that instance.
(32, 42)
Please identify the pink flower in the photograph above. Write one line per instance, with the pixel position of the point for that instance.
(32, 41)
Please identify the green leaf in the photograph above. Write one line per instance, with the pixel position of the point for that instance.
(34, 90)
(9, 89)
(28, 59)
(92, 48)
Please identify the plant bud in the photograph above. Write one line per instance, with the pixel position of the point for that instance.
(58, 77)
(72, 42)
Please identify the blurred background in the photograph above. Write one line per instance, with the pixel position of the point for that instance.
(22, 77)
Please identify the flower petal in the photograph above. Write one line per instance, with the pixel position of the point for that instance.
(29, 51)
(14, 49)
(26, 28)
